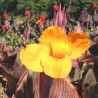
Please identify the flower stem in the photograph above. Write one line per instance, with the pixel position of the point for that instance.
(42, 85)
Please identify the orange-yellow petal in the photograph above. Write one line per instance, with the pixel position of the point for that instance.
(59, 49)
(78, 43)
(56, 68)
(31, 56)
(50, 33)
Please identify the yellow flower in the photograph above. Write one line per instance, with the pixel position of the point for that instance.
(54, 52)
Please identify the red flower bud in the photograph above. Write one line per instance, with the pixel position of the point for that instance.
(82, 12)
(29, 17)
(5, 15)
(94, 6)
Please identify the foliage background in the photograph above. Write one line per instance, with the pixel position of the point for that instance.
(38, 7)
(13, 76)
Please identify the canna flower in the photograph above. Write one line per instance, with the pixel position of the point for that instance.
(42, 17)
(56, 7)
(27, 12)
(94, 6)
(5, 15)
(4, 26)
(54, 52)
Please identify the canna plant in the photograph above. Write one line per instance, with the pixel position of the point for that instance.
(52, 80)
(53, 57)
(57, 65)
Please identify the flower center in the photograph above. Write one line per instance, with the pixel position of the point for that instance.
(58, 49)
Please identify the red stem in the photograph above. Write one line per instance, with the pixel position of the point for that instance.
(42, 85)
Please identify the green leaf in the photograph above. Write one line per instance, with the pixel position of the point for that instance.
(1, 88)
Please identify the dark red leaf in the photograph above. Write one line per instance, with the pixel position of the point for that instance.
(11, 81)
(90, 92)
(62, 88)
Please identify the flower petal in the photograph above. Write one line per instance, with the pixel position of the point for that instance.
(58, 49)
(78, 43)
(56, 68)
(53, 32)
(31, 56)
